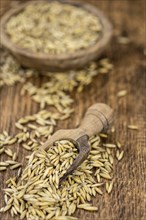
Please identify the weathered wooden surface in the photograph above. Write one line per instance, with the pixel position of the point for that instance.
(127, 200)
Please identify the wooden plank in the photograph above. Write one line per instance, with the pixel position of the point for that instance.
(126, 202)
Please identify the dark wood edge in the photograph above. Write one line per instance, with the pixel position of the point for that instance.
(107, 33)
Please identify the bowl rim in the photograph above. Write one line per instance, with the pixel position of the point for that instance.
(106, 33)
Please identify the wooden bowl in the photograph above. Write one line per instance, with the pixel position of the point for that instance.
(59, 62)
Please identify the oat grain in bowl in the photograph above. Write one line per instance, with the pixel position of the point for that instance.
(54, 28)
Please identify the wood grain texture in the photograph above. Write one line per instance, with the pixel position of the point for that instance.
(127, 200)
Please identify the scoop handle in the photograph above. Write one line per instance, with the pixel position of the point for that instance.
(97, 118)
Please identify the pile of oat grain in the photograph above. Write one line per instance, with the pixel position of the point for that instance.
(36, 194)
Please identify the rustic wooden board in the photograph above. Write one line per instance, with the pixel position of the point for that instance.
(127, 200)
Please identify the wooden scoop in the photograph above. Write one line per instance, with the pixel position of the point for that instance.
(97, 118)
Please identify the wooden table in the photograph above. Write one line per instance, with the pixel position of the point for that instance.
(126, 202)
